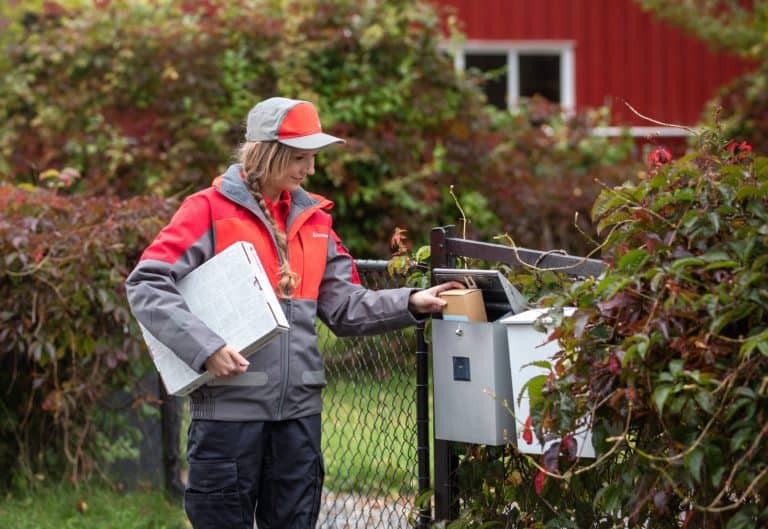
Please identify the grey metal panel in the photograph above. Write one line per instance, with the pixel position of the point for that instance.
(475, 410)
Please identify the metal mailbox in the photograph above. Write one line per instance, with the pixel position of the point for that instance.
(472, 388)
(526, 345)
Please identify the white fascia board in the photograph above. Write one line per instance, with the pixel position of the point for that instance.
(640, 132)
(530, 46)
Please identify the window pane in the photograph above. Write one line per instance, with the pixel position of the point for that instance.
(495, 88)
(540, 74)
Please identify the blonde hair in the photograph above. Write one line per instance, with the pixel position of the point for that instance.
(263, 161)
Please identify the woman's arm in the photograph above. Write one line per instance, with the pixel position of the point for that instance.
(350, 309)
(180, 247)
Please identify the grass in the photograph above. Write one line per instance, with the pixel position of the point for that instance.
(90, 507)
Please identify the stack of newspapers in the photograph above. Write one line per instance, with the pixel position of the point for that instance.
(232, 295)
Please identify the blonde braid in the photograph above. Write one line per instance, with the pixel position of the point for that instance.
(262, 160)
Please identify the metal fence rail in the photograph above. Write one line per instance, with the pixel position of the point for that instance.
(369, 424)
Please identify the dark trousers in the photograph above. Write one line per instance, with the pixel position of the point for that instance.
(272, 469)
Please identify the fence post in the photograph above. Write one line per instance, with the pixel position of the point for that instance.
(422, 423)
(445, 462)
(171, 415)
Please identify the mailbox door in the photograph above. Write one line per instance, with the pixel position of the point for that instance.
(472, 387)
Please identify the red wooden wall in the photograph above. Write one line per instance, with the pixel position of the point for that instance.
(621, 53)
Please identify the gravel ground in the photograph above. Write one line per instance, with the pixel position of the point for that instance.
(352, 511)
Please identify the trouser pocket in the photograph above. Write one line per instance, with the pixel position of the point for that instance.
(212, 499)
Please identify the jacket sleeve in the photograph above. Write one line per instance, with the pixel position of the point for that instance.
(348, 308)
(180, 247)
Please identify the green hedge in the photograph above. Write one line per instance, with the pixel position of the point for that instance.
(67, 339)
(665, 360)
(150, 97)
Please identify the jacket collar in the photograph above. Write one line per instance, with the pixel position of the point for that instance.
(231, 185)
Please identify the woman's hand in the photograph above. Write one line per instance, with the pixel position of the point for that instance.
(226, 362)
(427, 301)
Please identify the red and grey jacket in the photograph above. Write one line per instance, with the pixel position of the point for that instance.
(285, 378)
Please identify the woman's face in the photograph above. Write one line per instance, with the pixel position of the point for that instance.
(300, 165)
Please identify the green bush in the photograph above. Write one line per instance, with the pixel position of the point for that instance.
(150, 97)
(669, 348)
(665, 358)
(67, 339)
(138, 97)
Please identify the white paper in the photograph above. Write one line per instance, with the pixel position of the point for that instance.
(232, 295)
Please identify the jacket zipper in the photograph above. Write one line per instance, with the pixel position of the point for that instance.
(285, 360)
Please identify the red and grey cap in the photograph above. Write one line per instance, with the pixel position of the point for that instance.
(290, 121)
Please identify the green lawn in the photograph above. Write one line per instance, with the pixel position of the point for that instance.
(63, 507)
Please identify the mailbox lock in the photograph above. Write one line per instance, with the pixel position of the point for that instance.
(459, 332)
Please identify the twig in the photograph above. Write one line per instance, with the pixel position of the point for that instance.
(747, 455)
(683, 127)
(461, 210)
(514, 247)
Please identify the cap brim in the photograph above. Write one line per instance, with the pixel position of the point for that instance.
(313, 141)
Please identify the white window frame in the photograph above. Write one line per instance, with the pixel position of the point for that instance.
(513, 49)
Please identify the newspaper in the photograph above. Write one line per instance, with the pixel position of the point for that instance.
(232, 295)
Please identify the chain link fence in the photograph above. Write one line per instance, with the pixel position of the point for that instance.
(369, 424)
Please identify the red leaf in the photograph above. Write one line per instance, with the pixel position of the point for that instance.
(538, 482)
(614, 366)
(398, 241)
(568, 447)
(659, 156)
(620, 300)
(528, 431)
(739, 149)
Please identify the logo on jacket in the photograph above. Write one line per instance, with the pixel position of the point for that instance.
(319, 235)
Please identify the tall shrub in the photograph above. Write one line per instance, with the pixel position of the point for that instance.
(664, 359)
(139, 97)
(669, 348)
(67, 339)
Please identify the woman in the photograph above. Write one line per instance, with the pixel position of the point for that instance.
(254, 439)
